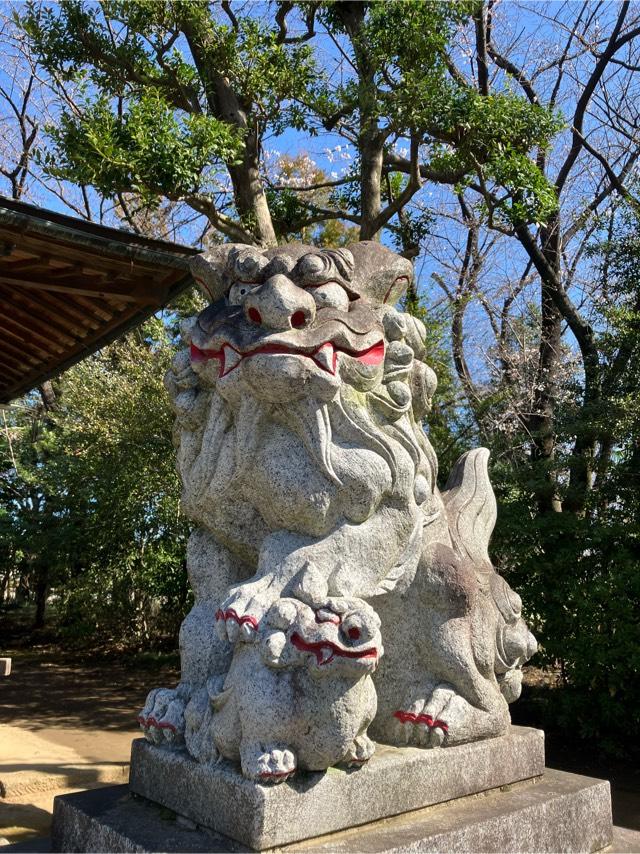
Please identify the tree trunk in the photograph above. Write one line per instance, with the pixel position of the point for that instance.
(371, 138)
(249, 196)
(583, 461)
(371, 156)
(42, 591)
(223, 102)
(541, 422)
(4, 585)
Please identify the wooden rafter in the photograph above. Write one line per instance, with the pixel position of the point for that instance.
(68, 287)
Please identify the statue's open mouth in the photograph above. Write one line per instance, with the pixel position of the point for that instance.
(325, 356)
(326, 651)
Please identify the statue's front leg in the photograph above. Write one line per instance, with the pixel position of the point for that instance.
(282, 557)
(212, 570)
(353, 560)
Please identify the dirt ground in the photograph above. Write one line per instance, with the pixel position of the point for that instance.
(66, 723)
(69, 720)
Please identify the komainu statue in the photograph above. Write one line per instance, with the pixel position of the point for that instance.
(320, 532)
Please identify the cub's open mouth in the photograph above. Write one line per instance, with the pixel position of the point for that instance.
(325, 356)
(326, 651)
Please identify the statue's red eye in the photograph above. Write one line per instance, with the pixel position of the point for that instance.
(354, 634)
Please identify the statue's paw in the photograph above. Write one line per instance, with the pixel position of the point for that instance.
(360, 751)
(426, 723)
(162, 718)
(269, 766)
(238, 618)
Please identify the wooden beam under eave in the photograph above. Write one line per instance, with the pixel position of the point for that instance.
(130, 293)
(118, 325)
(26, 333)
(10, 370)
(17, 363)
(68, 309)
(98, 310)
(17, 337)
(58, 318)
(14, 350)
(48, 328)
(26, 263)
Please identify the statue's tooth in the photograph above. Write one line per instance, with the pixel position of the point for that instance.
(231, 359)
(324, 356)
(326, 654)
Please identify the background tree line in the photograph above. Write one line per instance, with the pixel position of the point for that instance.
(495, 143)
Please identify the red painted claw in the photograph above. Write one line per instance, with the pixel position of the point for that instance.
(276, 775)
(411, 718)
(230, 614)
(151, 721)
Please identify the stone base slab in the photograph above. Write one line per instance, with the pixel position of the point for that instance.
(560, 812)
(394, 781)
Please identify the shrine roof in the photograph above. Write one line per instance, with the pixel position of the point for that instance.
(69, 287)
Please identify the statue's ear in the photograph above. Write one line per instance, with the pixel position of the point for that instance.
(215, 270)
(209, 271)
(380, 275)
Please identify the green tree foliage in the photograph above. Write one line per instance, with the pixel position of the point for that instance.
(90, 494)
(147, 148)
(578, 571)
(175, 99)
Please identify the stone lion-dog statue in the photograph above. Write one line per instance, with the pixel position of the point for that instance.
(299, 400)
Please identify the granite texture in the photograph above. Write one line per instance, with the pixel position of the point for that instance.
(111, 820)
(280, 709)
(560, 812)
(625, 841)
(300, 399)
(394, 781)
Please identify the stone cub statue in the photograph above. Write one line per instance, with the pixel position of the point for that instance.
(301, 697)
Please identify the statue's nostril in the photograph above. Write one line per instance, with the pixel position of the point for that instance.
(254, 315)
(298, 319)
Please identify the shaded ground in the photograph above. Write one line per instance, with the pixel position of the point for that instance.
(66, 723)
(50, 689)
(88, 704)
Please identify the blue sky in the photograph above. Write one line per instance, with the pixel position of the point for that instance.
(538, 39)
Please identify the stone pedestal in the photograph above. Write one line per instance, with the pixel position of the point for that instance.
(560, 812)
(487, 796)
(394, 781)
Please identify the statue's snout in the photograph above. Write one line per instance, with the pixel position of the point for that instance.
(280, 305)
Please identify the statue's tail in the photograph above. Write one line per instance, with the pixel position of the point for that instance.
(471, 510)
(471, 506)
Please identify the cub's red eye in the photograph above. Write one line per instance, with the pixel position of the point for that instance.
(298, 319)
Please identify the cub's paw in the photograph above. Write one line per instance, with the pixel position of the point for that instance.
(162, 718)
(360, 751)
(268, 766)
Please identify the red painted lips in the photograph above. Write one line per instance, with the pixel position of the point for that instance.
(325, 651)
(325, 356)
